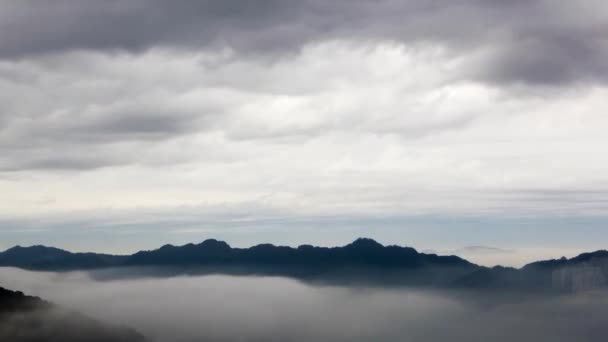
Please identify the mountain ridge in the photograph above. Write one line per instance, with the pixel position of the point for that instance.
(364, 261)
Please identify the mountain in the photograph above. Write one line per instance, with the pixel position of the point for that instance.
(585, 272)
(360, 253)
(14, 301)
(50, 258)
(31, 319)
(363, 261)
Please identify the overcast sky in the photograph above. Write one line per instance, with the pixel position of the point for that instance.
(128, 123)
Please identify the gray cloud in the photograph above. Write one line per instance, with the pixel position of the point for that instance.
(548, 59)
(383, 108)
(62, 163)
(113, 110)
(534, 42)
(90, 111)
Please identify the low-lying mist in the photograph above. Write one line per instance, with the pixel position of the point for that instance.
(58, 325)
(229, 308)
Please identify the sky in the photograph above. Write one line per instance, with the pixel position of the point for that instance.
(128, 124)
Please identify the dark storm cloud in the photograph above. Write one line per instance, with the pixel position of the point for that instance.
(552, 60)
(531, 42)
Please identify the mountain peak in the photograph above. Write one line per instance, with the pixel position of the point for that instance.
(35, 248)
(214, 244)
(365, 243)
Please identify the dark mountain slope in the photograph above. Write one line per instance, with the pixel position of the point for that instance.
(31, 319)
(50, 258)
(15, 301)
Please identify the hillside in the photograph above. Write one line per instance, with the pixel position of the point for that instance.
(31, 319)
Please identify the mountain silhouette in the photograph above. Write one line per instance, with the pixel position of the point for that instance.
(15, 301)
(51, 258)
(361, 252)
(364, 261)
(586, 271)
(31, 319)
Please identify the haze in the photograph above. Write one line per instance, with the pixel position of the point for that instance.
(224, 308)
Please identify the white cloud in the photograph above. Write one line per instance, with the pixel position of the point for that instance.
(339, 128)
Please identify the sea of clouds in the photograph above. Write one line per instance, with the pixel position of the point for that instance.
(229, 308)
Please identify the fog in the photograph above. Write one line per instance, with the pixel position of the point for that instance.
(52, 325)
(229, 308)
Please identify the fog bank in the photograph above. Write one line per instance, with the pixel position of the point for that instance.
(227, 308)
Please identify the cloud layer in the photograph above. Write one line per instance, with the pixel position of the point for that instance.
(537, 42)
(219, 308)
(303, 107)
